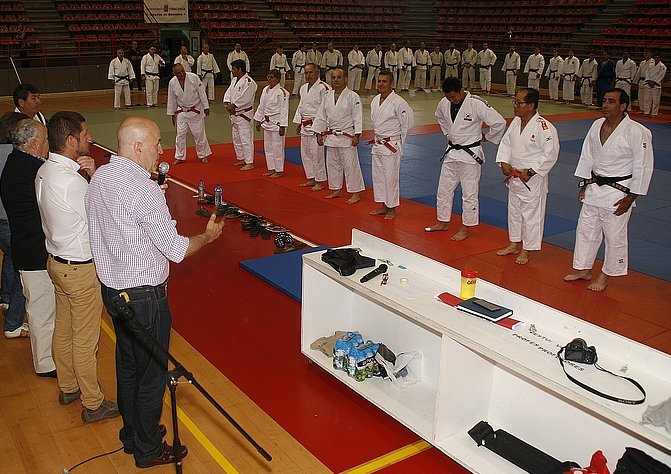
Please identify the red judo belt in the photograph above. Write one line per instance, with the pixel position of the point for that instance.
(239, 113)
(307, 123)
(517, 174)
(190, 109)
(383, 141)
(337, 133)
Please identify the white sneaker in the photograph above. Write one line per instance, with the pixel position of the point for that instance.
(21, 331)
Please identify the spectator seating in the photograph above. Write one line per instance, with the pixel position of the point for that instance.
(647, 24)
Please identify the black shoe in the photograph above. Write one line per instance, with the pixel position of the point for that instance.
(164, 431)
(166, 457)
(51, 374)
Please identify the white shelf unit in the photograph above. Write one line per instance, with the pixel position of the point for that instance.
(474, 370)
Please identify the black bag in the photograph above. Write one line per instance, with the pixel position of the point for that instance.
(635, 461)
(347, 261)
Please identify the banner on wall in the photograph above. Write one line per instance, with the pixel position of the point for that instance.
(167, 11)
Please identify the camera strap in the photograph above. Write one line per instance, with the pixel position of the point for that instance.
(597, 392)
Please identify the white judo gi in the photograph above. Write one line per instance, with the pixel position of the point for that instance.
(628, 151)
(422, 61)
(553, 75)
(121, 73)
(374, 63)
(189, 105)
(314, 56)
(149, 68)
(338, 122)
(568, 71)
(391, 65)
(241, 93)
(279, 62)
(537, 148)
(511, 68)
(587, 74)
(624, 74)
(656, 74)
(391, 122)
(207, 68)
(232, 56)
(329, 61)
(355, 64)
(436, 69)
(298, 63)
(487, 59)
(452, 59)
(469, 59)
(643, 89)
(406, 61)
(187, 63)
(273, 113)
(312, 155)
(458, 165)
(534, 68)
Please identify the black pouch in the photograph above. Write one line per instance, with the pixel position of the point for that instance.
(635, 461)
(347, 261)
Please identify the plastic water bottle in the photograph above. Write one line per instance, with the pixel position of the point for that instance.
(201, 192)
(218, 196)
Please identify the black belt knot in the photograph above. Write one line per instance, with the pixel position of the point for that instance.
(467, 148)
(606, 181)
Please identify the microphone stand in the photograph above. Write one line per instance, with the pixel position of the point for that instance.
(120, 303)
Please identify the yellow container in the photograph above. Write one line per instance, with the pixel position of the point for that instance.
(468, 280)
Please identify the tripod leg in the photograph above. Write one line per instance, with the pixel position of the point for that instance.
(176, 444)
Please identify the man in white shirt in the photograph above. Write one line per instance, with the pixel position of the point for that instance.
(616, 166)
(312, 153)
(330, 60)
(406, 61)
(298, 62)
(553, 74)
(487, 59)
(338, 125)
(239, 102)
(150, 70)
(435, 75)
(625, 70)
(60, 193)
(121, 73)
(207, 70)
(27, 101)
(422, 61)
(569, 73)
(279, 61)
(273, 115)
(391, 62)
(237, 53)
(469, 59)
(511, 69)
(185, 59)
(527, 153)
(188, 104)
(654, 78)
(452, 58)
(374, 63)
(534, 68)
(392, 119)
(355, 64)
(461, 116)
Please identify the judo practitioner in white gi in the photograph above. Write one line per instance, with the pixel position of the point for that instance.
(121, 73)
(279, 61)
(237, 53)
(587, 74)
(641, 76)
(487, 59)
(534, 68)
(312, 153)
(616, 166)
(298, 62)
(452, 58)
(355, 63)
(188, 105)
(625, 70)
(568, 72)
(511, 68)
(461, 116)
(391, 62)
(469, 59)
(185, 59)
(553, 75)
(435, 75)
(527, 152)
(239, 102)
(330, 59)
(374, 63)
(207, 69)
(422, 62)
(273, 115)
(653, 82)
(339, 123)
(314, 56)
(150, 70)
(406, 61)
(392, 119)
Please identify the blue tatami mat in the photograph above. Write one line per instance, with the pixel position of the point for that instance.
(284, 271)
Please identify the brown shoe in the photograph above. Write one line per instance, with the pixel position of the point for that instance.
(166, 457)
(161, 427)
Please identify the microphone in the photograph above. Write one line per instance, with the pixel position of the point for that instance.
(162, 171)
(378, 271)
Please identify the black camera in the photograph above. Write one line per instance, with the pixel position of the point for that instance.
(578, 351)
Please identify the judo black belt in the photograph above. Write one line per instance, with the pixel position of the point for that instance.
(569, 75)
(355, 67)
(628, 81)
(421, 64)
(485, 67)
(553, 73)
(281, 67)
(513, 69)
(121, 78)
(533, 70)
(155, 74)
(467, 148)
(588, 79)
(603, 180)
(374, 67)
(642, 79)
(300, 68)
(208, 71)
(519, 453)
(452, 65)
